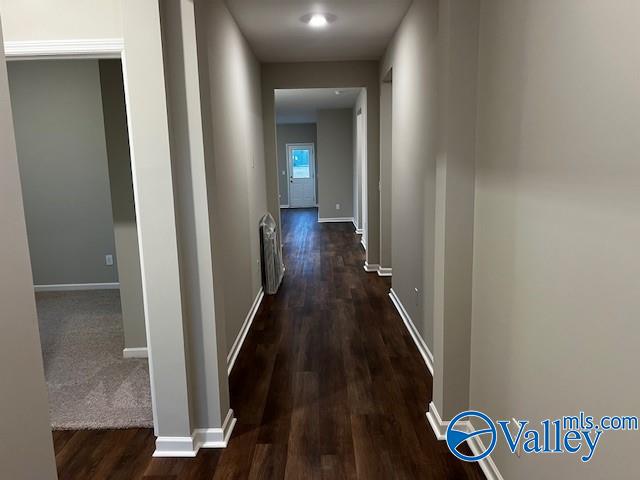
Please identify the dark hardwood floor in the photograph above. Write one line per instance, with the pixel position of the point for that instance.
(328, 385)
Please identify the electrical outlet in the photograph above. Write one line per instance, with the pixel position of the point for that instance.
(108, 260)
(337, 206)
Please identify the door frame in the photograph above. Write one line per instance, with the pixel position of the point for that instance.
(362, 199)
(96, 49)
(312, 162)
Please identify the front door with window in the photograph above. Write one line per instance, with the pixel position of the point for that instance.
(302, 185)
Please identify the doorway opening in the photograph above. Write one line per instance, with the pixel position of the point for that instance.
(73, 154)
(319, 134)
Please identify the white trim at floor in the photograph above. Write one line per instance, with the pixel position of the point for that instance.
(200, 438)
(77, 48)
(381, 271)
(242, 334)
(136, 352)
(68, 287)
(427, 356)
(359, 231)
(439, 427)
(385, 271)
(285, 206)
(335, 220)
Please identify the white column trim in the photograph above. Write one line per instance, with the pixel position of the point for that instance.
(200, 438)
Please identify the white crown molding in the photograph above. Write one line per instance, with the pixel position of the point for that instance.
(244, 330)
(200, 438)
(76, 48)
(68, 287)
(440, 426)
(427, 356)
(335, 220)
(137, 352)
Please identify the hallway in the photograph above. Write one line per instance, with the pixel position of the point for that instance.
(328, 384)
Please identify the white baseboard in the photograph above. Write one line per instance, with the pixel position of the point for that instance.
(427, 356)
(440, 426)
(335, 220)
(139, 352)
(200, 438)
(371, 267)
(244, 330)
(488, 466)
(216, 437)
(68, 287)
(176, 447)
(437, 424)
(381, 271)
(385, 272)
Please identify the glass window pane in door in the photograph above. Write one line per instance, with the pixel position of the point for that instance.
(300, 161)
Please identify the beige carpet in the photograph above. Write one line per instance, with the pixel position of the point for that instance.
(90, 385)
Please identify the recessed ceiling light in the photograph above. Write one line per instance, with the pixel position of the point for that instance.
(338, 92)
(318, 20)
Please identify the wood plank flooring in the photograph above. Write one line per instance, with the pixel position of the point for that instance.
(328, 385)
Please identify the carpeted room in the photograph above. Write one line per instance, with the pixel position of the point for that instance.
(73, 154)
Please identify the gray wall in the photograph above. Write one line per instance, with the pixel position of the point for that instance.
(292, 133)
(325, 75)
(122, 203)
(413, 56)
(335, 163)
(46, 20)
(26, 448)
(234, 153)
(557, 228)
(63, 166)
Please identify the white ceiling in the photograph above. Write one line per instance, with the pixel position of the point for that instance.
(361, 31)
(301, 105)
